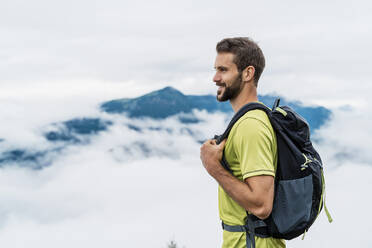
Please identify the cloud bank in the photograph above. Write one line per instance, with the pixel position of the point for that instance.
(111, 192)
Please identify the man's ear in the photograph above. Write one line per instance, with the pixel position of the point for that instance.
(248, 74)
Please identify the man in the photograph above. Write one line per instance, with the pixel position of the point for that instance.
(250, 149)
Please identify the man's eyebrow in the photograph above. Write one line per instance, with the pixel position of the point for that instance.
(220, 67)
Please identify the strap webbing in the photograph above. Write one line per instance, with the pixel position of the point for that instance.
(233, 228)
(250, 241)
(325, 207)
(223, 161)
(249, 228)
(236, 117)
(240, 113)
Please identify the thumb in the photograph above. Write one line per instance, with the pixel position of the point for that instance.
(222, 144)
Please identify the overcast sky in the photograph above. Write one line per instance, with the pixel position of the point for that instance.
(317, 50)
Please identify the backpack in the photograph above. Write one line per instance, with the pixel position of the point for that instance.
(299, 180)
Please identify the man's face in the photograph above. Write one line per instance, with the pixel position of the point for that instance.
(227, 77)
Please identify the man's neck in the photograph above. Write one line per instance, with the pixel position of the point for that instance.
(247, 95)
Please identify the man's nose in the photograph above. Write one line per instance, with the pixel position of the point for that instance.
(216, 78)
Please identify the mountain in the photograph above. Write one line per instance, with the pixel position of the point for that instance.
(157, 105)
(169, 101)
(163, 103)
(79, 126)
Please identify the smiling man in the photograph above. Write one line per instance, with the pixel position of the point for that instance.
(250, 149)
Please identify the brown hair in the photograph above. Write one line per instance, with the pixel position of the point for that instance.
(246, 52)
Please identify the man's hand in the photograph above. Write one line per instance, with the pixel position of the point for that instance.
(255, 194)
(211, 155)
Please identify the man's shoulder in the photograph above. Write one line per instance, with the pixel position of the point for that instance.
(253, 119)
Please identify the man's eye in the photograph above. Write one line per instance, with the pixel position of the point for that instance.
(220, 69)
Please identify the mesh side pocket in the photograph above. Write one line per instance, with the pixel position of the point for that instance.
(292, 204)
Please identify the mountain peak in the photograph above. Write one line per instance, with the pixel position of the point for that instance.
(167, 91)
(157, 104)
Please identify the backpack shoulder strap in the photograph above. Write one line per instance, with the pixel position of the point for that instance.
(239, 114)
(236, 117)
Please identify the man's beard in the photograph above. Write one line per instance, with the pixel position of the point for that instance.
(231, 91)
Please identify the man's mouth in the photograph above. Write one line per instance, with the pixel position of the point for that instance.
(219, 90)
(220, 87)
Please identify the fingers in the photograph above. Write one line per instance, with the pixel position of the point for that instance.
(214, 142)
(210, 142)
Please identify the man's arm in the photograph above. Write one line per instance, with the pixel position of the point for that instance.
(255, 194)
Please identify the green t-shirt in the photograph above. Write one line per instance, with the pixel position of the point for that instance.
(250, 151)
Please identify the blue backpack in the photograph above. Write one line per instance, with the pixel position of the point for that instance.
(299, 180)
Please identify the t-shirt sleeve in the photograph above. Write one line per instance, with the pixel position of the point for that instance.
(253, 144)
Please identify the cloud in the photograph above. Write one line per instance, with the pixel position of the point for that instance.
(99, 194)
(347, 137)
(88, 193)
